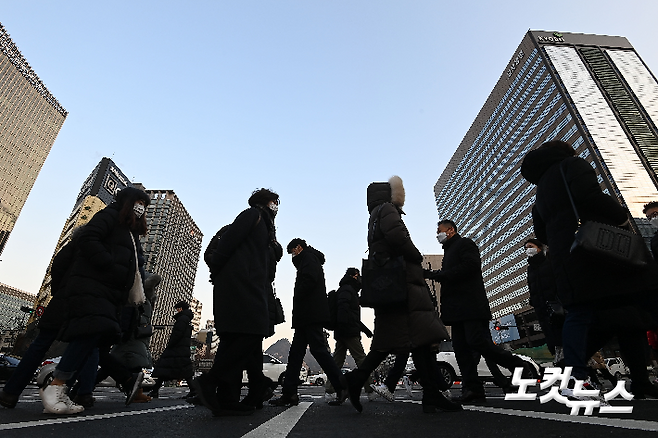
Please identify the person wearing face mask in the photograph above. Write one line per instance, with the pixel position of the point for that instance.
(348, 325)
(240, 270)
(464, 306)
(310, 313)
(104, 277)
(541, 287)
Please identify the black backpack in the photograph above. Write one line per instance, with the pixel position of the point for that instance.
(207, 255)
(332, 297)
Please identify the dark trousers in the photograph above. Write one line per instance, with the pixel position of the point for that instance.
(396, 371)
(575, 332)
(30, 362)
(80, 350)
(470, 336)
(313, 337)
(236, 352)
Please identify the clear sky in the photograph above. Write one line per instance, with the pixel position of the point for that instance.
(313, 99)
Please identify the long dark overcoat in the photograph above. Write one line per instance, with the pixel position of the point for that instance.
(309, 301)
(175, 362)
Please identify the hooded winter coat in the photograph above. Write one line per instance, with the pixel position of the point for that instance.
(309, 301)
(175, 362)
(101, 276)
(240, 274)
(579, 278)
(348, 310)
(463, 297)
(417, 324)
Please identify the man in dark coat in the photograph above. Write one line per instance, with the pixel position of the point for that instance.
(465, 307)
(175, 362)
(583, 283)
(310, 313)
(239, 272)
(348, 328)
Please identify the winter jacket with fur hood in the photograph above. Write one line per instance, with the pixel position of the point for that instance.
(400, 330)
(309, 302)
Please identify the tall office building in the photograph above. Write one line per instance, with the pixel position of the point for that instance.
(171, 248)
(96, 193)
(30, 119)
(592, 91)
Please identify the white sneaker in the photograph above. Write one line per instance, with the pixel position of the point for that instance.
(55, 401)
(407, 385)
(372, 396)
(383, 391)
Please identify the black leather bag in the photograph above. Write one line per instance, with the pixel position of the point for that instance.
(384, 282)
(607, 243)
(279, 317)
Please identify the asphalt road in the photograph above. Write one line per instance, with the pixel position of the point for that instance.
(170, 416)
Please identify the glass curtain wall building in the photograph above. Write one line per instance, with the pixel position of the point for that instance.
(30, 120)
(592, 91)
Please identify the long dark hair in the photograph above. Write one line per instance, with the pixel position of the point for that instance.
(127, 217)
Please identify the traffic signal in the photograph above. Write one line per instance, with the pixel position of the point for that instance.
(499, 327)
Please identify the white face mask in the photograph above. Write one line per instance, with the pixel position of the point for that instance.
(531, 252)
(138, 209)
(442, 237)
(654, 222)
(274, 207)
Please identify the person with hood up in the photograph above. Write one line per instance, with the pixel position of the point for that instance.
(348, 328)
(239, 271)
(175, 362)
(104, 277)
(588, 287)
(310, 313)
(412, 328)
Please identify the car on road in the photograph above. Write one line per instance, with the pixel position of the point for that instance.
(317, 379)
(8, 365)
(275, 370)
(617, 367)
(450, 371)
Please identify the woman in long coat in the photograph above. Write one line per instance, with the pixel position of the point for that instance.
(584, 284)
(411, 328)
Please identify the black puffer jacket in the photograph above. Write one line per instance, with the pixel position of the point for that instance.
(417, 324)
(541, 282)
(348, 310)
(309, 302)
(101, 277)
(56, 312)
(579, 278)
(240, 275)
(175, 362)
(463, 297)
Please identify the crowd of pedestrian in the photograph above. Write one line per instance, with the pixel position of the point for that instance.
(103, 301)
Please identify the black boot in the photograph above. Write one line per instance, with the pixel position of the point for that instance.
(285, 400)
(438, 402)
(355, 381)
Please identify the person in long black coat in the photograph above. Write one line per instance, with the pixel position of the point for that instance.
(464, 306)
(412, 328)
(310, 313)
(239, 273)
(584, 284)
(175, 362)
(100, 280)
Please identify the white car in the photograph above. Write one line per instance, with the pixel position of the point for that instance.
(617, 367)
(275, 370)
(450, 369)
(317, 379)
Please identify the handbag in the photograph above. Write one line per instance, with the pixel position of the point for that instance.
(279, 317)
(556, 312)
(384, 278)
(136, 296)
(608, 243)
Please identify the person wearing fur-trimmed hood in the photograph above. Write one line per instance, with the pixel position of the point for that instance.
(400, 330)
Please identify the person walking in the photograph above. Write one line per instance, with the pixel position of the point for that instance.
(586, 286)
(310, 313)
(348, 326)
(414, 327)
(175, 362)
(239, 273)
(465, 307)
(104, 277)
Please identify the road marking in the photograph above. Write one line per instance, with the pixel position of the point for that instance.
(281, 425)
(63, 420)
(596, 421)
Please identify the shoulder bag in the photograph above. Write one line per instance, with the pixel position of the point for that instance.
(608, 243)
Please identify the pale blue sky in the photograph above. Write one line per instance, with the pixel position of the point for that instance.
(314, 99)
